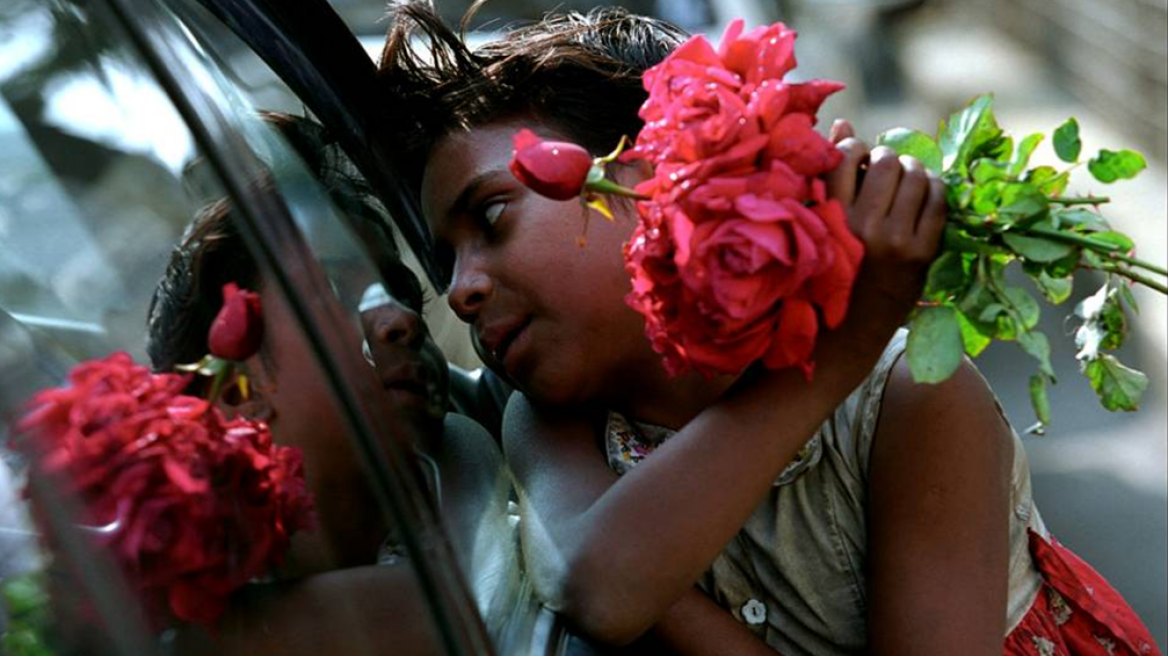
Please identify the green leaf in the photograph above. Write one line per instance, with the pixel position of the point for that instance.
(1108, 166)
(1114, 320)
(1023, 307)
(934, 344)
(1049, 180)
(999, 148)
(1022, 155)
(988, 170)
(1038, 346)
(1079, 218)
(954, 239)
(991, 312)
(1119, 387)
(1039, 399)
(987, 197)
(1129, 298)
(947, 276)
(1066, 141)
(1037, 249)
(913, 143)
(1118, 239)
(1093, 259)
(967, 130)
(1056, 290)
(1022, 201)
(974, 340)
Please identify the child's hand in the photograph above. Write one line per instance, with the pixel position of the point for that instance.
(897, 208)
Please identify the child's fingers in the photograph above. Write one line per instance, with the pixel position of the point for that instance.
(879, 188)
(906, 206)
(841, 129)
(842, 182)
(932, 223)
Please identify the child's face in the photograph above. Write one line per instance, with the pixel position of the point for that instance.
(548, 312)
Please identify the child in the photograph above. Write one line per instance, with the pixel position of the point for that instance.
(860, 513)
(331, 595)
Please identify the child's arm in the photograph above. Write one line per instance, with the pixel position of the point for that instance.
(938, 519)
(615, 565)
(362, 610)
(696, 626)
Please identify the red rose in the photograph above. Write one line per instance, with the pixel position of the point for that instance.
(554, 169)
(764, 53)
(795, 142)
(238, 329)
(189, 505)
(715, 271)
(738, 255)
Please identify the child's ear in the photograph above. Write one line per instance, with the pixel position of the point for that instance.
(635, 172)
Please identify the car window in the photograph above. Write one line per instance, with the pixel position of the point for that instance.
(122, 137)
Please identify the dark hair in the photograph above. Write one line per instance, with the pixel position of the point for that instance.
(212, 251)
(578, 72)
(211, 254)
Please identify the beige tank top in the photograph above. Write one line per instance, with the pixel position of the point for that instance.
(795, 573)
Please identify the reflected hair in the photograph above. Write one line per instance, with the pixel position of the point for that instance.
(212, 251)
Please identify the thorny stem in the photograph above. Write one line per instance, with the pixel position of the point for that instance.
(1109, 250)
(1135, 277)
(1084, 200)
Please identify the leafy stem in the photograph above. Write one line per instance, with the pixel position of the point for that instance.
(1084, 200)
(1135, 277)
(1148, 266)
(1110, 250)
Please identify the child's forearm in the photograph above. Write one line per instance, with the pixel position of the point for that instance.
(354, 611)
(616, 561)
(696, 626)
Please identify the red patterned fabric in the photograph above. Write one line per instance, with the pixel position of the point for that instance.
(1077, 612)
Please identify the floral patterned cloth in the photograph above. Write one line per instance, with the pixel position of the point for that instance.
(1077, 612)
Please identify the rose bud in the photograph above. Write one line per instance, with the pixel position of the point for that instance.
(237, 329)
(555, 169)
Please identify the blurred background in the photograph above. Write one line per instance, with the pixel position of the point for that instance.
(1101, 479)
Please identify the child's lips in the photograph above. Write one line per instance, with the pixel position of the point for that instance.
(411, 379)
(510, 348)
(498, 338)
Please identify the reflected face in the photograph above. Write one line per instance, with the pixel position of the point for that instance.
(548, 313)
(410, 366)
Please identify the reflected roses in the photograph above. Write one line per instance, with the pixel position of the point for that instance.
(238, 329)
(189, 505)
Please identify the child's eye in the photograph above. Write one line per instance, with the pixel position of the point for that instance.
(493, 210)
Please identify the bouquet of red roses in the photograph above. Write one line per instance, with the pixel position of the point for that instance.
(190, 505)
(738, 255)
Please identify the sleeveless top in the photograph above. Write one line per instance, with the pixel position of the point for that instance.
(795, 573)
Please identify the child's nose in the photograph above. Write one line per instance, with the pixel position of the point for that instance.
(468, 291)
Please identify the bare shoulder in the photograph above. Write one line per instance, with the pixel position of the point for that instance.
(468, 443)
(532, 434)
(956, 417)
